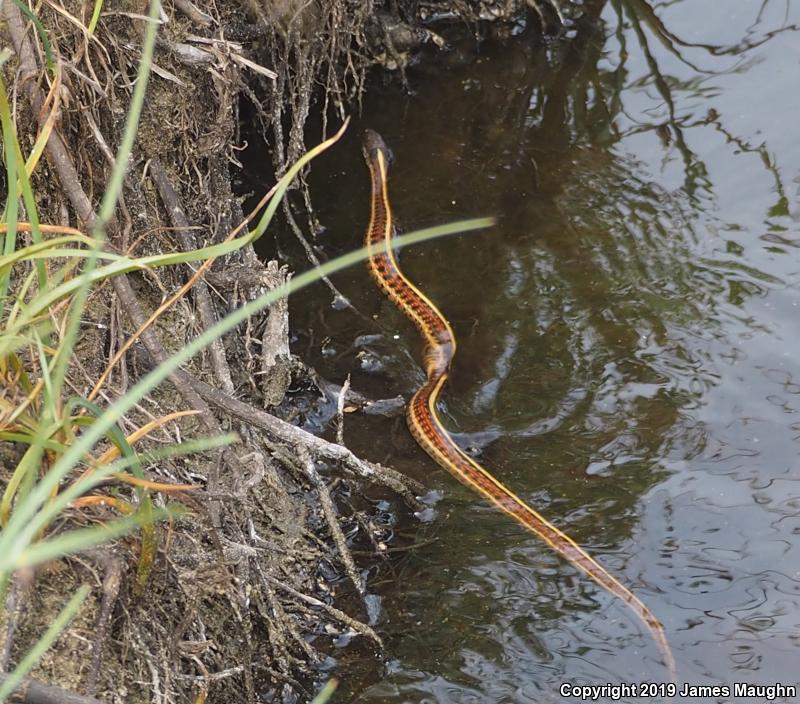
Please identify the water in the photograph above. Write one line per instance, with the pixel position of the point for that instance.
(628, 350)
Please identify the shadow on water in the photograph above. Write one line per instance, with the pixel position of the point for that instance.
(627, 360)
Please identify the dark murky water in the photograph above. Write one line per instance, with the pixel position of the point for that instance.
(628, 357)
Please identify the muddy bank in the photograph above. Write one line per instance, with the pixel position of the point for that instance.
(257, 580)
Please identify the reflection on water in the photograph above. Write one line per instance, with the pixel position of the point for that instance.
(628, 349)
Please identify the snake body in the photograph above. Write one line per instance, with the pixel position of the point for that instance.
(422, 417)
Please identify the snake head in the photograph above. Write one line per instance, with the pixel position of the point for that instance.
(373, 144)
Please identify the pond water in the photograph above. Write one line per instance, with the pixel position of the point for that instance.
(628, 350)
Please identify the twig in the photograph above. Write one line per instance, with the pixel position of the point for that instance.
(396, 548)
(280, 616)
(32, 692)
(275, 355)
(339, 300)
(110, 593)
(340, 411)
(297, 437)
(329, 511)
(193, 12)
(16, 600)
(387, 407)
(187, 54)
(203, 298)
(253, 66)
(212, 676)
(340, 616)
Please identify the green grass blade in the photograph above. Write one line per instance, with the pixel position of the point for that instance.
(28, 465)
(287, 179)
(75, 541)
(53, 508)
(187, 447)
(38, 512)
(109, 201)
(42, 32)
(41, 514)
(326, 692)
(98, 8)
(28, 478)
(114, 434)
(46, 248)
(50, 400)
(28, 439)
(11, 210)
(21, 181)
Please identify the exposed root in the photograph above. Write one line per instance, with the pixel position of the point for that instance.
(208, 316)
(111, 585)
(329, 512)
(340, 616)
(33, 692)
(340, 398)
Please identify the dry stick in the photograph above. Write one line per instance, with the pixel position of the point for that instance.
(292, 435)
(388, 407)
(245, 646)
(193, 12)
(111, 585)
(340, 616)
(329, 511)
(70, 182)
(340, 410)
(279, 614)
(339, 299)
(204, 306)
(275, 354)
(16, 601)
(32, 692)
(212, 676)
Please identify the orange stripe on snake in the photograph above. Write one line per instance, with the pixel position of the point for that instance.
(423, 420)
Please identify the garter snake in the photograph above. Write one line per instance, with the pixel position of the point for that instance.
(421, 414)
